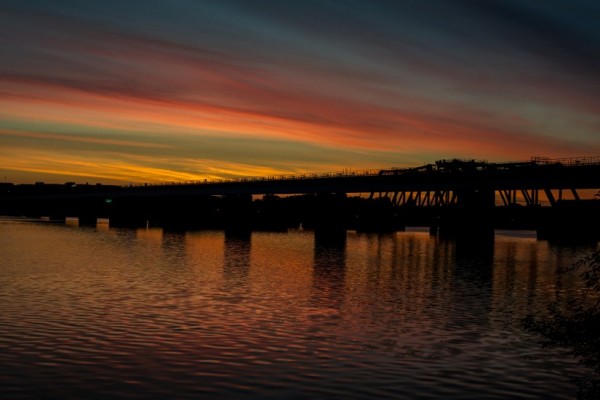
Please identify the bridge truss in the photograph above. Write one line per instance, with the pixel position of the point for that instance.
(531, 183)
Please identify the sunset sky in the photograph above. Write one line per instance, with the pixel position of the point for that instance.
(145, 91)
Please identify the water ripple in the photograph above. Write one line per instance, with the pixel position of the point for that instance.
(126, 314)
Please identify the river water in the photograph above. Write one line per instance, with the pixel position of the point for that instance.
(116, 313)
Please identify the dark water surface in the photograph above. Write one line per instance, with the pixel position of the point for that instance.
(111, 313)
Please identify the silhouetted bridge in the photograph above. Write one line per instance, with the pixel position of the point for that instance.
(553, 196)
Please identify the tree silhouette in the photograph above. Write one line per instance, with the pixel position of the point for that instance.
(574, 323)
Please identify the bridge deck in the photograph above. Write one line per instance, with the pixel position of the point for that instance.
(445, 175)
(540, 174)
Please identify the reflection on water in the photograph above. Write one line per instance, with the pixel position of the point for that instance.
(329, 273)
(236, 260)
(124, 313)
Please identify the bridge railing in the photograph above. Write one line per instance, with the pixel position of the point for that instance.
(567, 162)
(347, 173)
(307, 176)
(441, 166)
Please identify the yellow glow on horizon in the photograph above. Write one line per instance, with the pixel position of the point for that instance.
(67, 167)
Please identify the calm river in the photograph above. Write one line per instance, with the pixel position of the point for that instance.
(116, 313)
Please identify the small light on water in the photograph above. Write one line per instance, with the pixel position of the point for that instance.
(72, 221)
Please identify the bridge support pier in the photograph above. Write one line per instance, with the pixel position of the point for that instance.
(238, 214)
(472, 218)
(330, 219)
(433, 229)
(377, 215)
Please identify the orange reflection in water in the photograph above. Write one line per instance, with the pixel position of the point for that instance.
(527, 273)
(216, 307)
